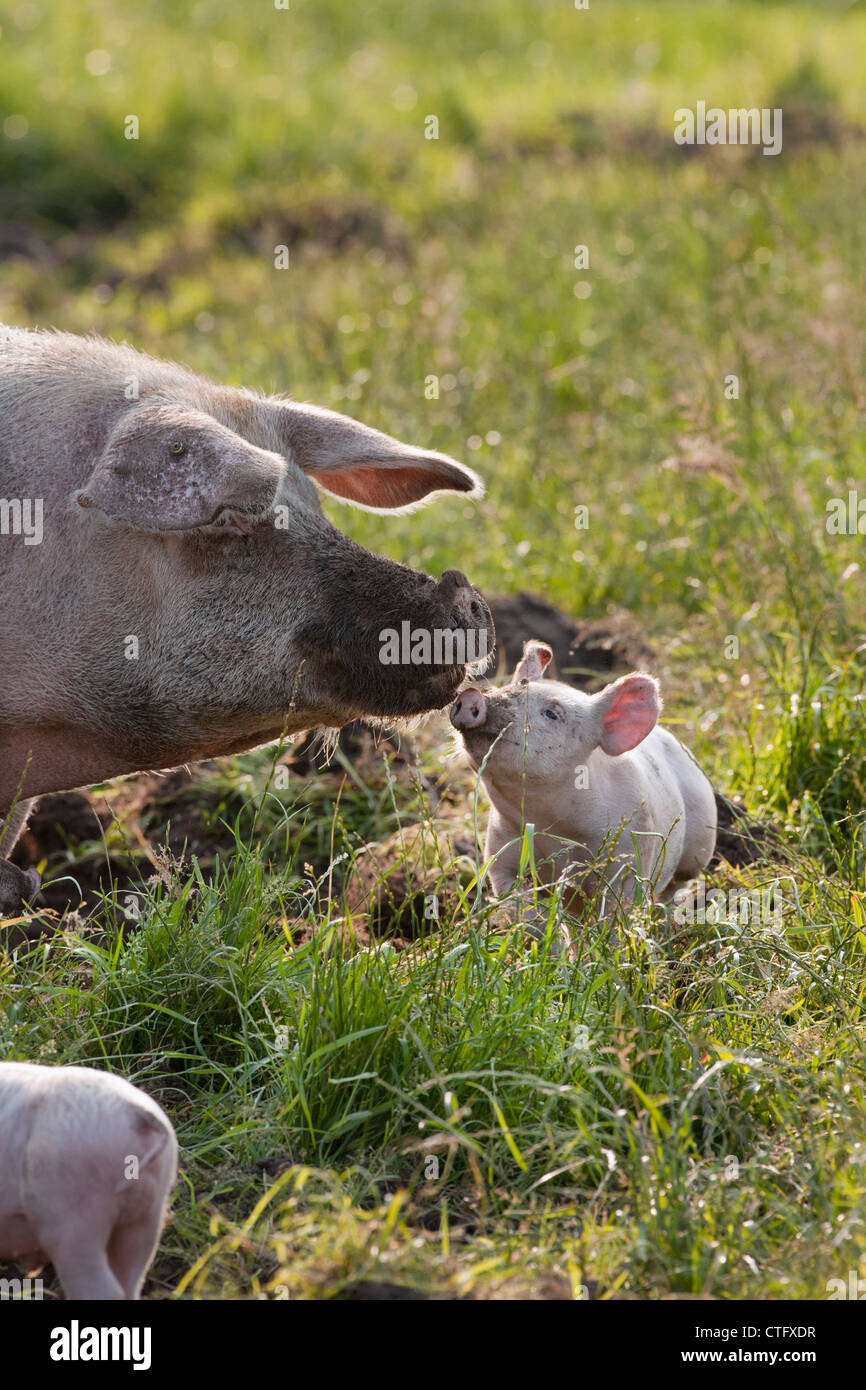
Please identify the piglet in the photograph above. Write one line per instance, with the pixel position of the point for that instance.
(595, 775)
(86, 1165)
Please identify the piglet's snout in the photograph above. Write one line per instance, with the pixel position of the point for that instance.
(469, 710)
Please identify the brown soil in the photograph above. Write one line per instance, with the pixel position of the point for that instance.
(740, 840)
(90, 845)
(377, 1291)
(394, 888)
(587, 652)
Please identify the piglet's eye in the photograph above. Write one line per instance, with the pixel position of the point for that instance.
(550, 714)
(178, 448)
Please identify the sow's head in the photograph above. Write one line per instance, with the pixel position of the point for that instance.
(256, 613)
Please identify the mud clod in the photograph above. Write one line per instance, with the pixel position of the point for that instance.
(587, 652)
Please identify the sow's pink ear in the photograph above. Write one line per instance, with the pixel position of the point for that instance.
(364, 466)
(629, 709)
(537, 656)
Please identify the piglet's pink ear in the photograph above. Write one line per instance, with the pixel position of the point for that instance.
(628, 710)
(531, 666)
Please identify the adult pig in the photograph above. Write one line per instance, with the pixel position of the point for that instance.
(171, 589)
(86, 1165)
(598, 778)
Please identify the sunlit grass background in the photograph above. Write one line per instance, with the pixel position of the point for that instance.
(603, 1159)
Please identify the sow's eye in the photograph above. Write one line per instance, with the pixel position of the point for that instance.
(549, 714)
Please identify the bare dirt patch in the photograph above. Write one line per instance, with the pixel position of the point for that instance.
(405, 885)
(587, 652)
(740, 840)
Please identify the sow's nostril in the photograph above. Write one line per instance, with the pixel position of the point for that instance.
(468, 609)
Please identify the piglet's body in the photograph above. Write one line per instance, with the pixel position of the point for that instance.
(86, 1165)
(595, 775)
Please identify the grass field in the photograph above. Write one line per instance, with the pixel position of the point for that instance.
(683, 1112)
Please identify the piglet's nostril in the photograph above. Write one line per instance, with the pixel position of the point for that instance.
(469, 710)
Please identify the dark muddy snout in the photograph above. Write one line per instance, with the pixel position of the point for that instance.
(465, 606)
(393, 642)
(466, 614)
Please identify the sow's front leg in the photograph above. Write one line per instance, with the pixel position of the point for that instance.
(16, 885)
